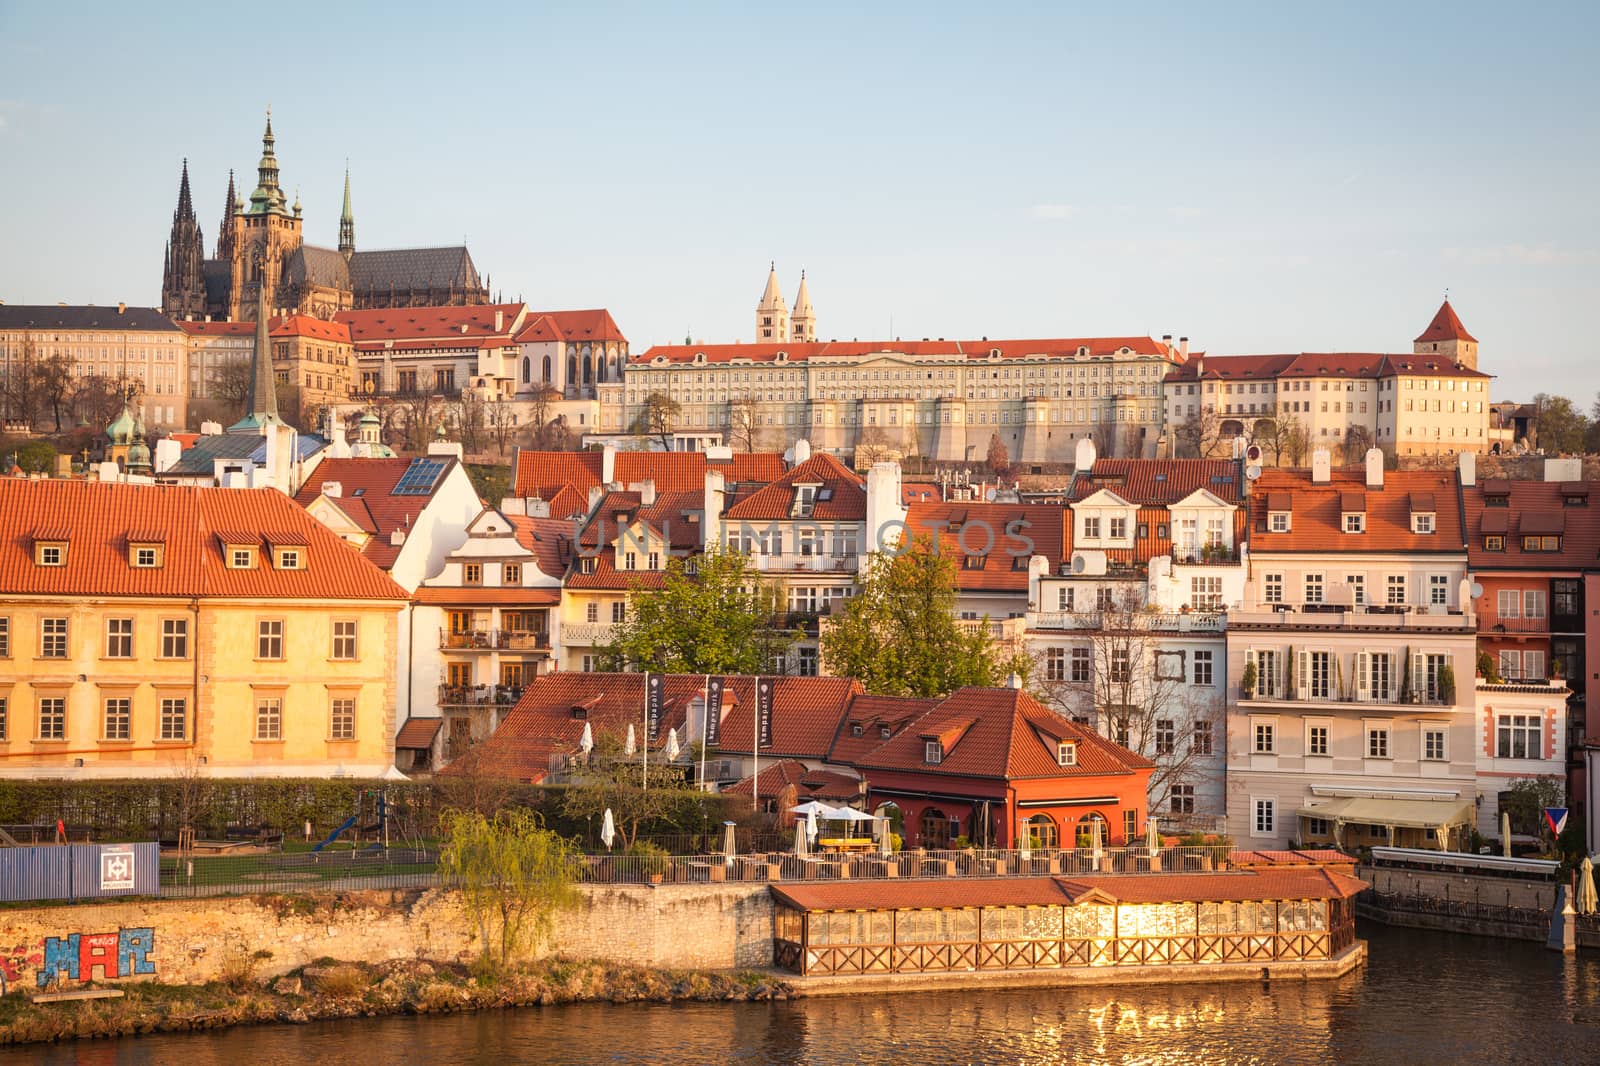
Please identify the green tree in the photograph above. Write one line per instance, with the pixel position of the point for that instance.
(513, 874)
(719, 620)
(899, 635)
(998, 458)
(611, 780)
(1559, 427)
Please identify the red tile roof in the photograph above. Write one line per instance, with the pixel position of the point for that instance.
(1446, 327)
(440, 327)
(999, 533)
(549, 539)
(1315, 511)
(873, 714)
(920, 492)
(366, 496)
(808, 783)
(571, 326)
(847, 492)
(977, 349)
(97, 518)
(544, 473)
(219, 329)
(1003, 733)
(277, 326)
(1317, 365)
(1160, 481)
(1530, 504)
(418, 733)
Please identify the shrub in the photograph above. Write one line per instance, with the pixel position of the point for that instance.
(342, 982)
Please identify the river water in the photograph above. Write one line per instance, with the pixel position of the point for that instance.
(1422, 998)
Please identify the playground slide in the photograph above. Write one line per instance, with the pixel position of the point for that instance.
(348, 822)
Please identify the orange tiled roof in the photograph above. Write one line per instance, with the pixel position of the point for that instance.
(1315, 522)
(1310, 365)
(964, 529)
(872, 714)
(978, 349)
(442, 327)
(847, 492)
(549, 539)
(97, 518)
(579, 326)
(1160, 481)
(277, 326)
(1530, 506)
(367, 498)
(544, 473)
(1446, 327)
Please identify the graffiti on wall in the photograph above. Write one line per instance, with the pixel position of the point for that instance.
(78, 956)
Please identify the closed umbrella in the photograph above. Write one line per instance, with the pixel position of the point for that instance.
(608, 829)
(586, 742)
(1587, 901)
(633, 745)
(1152, 834)
(1505, 833)
(672, 744)
(730, 845)
(811, 825)
(799, 836)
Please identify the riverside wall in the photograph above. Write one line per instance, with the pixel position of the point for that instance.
(192, 941)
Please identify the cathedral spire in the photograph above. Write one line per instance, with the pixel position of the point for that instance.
(803, 323)
(268, 197)
(185, 211)
(263, 407)
(347, 220)
(183, 290)
(225, 231)
(772, 314)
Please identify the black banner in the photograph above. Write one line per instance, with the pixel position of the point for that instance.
(764, 712)
(713, 712)
(653, 684)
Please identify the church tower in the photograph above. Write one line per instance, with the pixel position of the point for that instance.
(1446, 336)
(230, 207)
(264, 233)
(347, 222)
(183, 283)
(803, 323)
(772, 314)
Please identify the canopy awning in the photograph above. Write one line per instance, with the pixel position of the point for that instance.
(1400, 813)
(418, 733)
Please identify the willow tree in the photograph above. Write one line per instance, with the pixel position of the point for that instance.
(514, 875)
(899, 635)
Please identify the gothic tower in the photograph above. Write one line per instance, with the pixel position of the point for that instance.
(347, 221)
(183, 283)
(772, 314)
(264, 233)
(803, 323)
(230, 207)
(1446, 336)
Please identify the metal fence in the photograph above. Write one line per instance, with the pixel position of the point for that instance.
(185, 876)
(1453, 908)
(78, 871)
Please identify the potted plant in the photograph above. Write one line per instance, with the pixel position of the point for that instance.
(1247, 683)
(1288, 674)
(1487, 669)
(1447, 685)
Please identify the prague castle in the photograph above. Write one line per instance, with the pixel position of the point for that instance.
(261, 242)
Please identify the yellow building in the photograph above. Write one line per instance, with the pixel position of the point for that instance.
(147, 628)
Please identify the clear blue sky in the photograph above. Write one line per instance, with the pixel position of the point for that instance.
(1262, 178)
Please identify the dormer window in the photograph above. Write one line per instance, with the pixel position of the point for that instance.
(52, 554)
(290, 559)
(1091, 528)
(856, 729)
(974, 562)
(1066, 753)
(1355, 522)
(511, 574)
(241, 557)
(1119, 528)
(586, 564)
(805, 499)
(145, 556)
(1496, 543)
(1278, 522)
(932, 752)
(580, 712)
(1020, 562)
(883, 732)
(1422, 523)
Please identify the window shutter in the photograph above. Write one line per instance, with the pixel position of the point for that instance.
(1364, 676)
(1250, 659)
(1302, 675)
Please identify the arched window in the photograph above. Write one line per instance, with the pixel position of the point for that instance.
(588, 369)
(933, 831)
(1042, 832)
(602, 369)
(572, 369)
(547, 370)
(527, 370)
(1092, 831)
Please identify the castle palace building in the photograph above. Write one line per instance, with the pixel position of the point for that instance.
(261, 243)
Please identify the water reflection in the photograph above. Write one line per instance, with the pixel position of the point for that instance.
(1423, 998)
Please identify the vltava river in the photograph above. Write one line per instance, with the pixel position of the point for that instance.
(1423, 998)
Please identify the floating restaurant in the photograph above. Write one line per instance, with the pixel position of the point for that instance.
(1297, 921)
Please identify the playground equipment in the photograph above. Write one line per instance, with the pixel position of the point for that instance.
(376, 819)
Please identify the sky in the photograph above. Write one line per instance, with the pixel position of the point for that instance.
(1259, 178)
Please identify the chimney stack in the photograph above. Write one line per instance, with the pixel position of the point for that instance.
(1469, 468)
(1374, 468)
(499, 321)
(1321, 467)
(608, 463)
(1183, 348)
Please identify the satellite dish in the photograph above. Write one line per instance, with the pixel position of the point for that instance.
(1253, 453)
(1252, 471)
(1077, 564)
(990, 495)
(1477, 591)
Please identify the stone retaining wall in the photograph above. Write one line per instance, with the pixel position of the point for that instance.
(1460, 888)
(198, 940)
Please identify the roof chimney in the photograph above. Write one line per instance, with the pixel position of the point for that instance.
(608, 463)
(1469, 468)
(499, 321)
(1183, 348)
(647, 492)
(1321, 467)
(122, 308)
(1014, 681)
(1374, 468)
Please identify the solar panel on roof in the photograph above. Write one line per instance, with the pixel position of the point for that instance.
(419, 478)
(1222, 479)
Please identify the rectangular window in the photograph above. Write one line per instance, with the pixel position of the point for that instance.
(1396, 589)
(1494, 542)
(1206, 593)
(591, 612)
(472, 574)
(1422, 523)
(1130, 826)
(1080, 665)
(241, 558)
(344, 639)
(1121, 667)
(1313, 588)
(1066, 753)
(1355, 523)
(1064, 599)
(1518, 737)
(1439, 590)
(1510, 665)
(52, 638)
(1358, 588)
(269, 718)
(1055, 664)
(174, 638)
(1263, 824)
(1269, 672)
(5, 719)
(1272, 588)
(1266, 738)
(655, 561)
(1119, 528)
(1533, 603)
(52, 718)
(269, 638)
(119, 718)
(932, 753)
(1091, 528)
(619, 611)
(119, 638)
(1278, 522)
(1377, 741)
(511, 574)
(1204, 673)
(1166, 736)
(1433, 738)
(1200, 743)
(288, 558)
(630, 560)
(5, 638)
(1508, 603)
(1533, 665)
(146, 558)
(1104, 600)
(174, 718)
(342, 719)
(1317, 740)
(1181, 799)
(52, 555)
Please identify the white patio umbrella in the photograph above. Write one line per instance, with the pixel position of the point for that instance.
(848, 814)
(632, 745)
(608, 829)
(812, 807)
(586, 742)
(672, 744)
(811, 825)
(1587, 901)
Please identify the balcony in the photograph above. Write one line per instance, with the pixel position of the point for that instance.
(1354, 701)
(1218, 555)
(1494, 623)
(590, 634)
(495, 640)
(1193, 622)
(469, 696)
(994, 628)
(1366, 617)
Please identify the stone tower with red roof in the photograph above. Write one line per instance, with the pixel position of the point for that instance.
(1446, 336)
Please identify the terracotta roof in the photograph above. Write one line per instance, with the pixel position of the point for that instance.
(544, 473)
(1299, 882)
(1004, 733)
(965, 530)
(1160, 481)
(977, 349)
(1315, 512)
(437, 326)
(873, 714)
(572, 326)
(1446, 327)
(1532, 507)
(920, 492)
(220, 329)
(367, 497)
(1311, 365)
(418, 733)
(306, 326)
(96, 518)
(809, 784)
(846, 493)
(549, 539)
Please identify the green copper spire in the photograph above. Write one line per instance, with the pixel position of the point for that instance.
(347, 220)
(268, 197)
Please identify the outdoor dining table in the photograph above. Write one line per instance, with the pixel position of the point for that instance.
(848, 844)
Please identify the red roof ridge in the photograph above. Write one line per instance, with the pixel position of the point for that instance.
(1446, 325)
